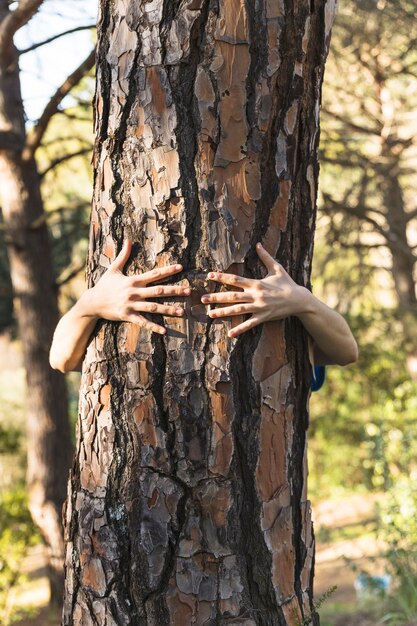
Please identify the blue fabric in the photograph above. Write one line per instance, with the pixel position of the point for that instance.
(317, 379)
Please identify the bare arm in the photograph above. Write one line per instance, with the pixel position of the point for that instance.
(332, 338)
(115, 297)
(277, 296)
(71, 337)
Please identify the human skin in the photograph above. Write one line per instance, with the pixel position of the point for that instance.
(277, 296)
(117, 297)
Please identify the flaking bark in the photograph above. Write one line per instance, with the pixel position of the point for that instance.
(187, 501)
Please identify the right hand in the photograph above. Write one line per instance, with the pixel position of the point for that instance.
(121, 298)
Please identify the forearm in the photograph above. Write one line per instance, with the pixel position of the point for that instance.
(332, 337)
(71, 336)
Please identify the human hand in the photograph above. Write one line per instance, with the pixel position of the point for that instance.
(121, 298)
(274, 297)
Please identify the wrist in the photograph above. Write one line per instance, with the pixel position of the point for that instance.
(307, 302)
(86, 305)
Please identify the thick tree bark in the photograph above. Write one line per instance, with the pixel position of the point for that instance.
(48, 431)
(187, 502)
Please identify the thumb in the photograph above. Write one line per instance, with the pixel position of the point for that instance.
(121, 259)
(270, 263)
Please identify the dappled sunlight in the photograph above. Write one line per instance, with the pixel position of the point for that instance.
(189, 424)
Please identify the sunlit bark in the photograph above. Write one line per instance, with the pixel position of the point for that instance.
(187, 502)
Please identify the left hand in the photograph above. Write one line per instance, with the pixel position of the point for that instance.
(274, 297)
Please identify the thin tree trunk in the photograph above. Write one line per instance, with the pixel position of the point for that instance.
(48, 432)
(187, 501)
(403, 265)
(403, 258)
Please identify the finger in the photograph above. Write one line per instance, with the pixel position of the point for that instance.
(226, 296)
(230, 279)
(161, 309)
(244, 326)
(162, 291)
(270, 263)
(136, 318)
(158, 274)
(238, 309)
(121, 259)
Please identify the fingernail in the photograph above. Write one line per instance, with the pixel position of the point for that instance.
(212, 314)
(259, 245)
(180, 311)
(204, 299)
(178, 267)
(231, 333)
(188, 291)
(212, 275)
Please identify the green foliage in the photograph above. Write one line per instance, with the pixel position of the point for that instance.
(9, 439)
(17, 531)
(401, 605)
(340, 614)
(398, 528)
(363, 434)
(17, 534)
(349, 532)
(363, 431)
(363, 422)
(12, 419)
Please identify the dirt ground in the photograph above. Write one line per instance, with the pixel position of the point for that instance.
(338, 562)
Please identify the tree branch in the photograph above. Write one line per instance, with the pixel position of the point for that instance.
(15, 20)
(39, 221)
(63, 158)
(352, 125)
(34, 139)
(353, 163)
(66, 279)
(411, 215)
(72, 116)
(54, 37)
(358, 245)
(360, 212)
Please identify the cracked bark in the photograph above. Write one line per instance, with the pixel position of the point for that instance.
(187, 498)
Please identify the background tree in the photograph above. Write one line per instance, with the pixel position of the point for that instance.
(187, 500)
(369, 144)
(364, 428)
(34, 287)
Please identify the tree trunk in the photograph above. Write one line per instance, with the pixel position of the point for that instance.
(403, 258)
(187, 500)
(48, 431)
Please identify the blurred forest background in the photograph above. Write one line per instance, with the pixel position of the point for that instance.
(363, 428)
